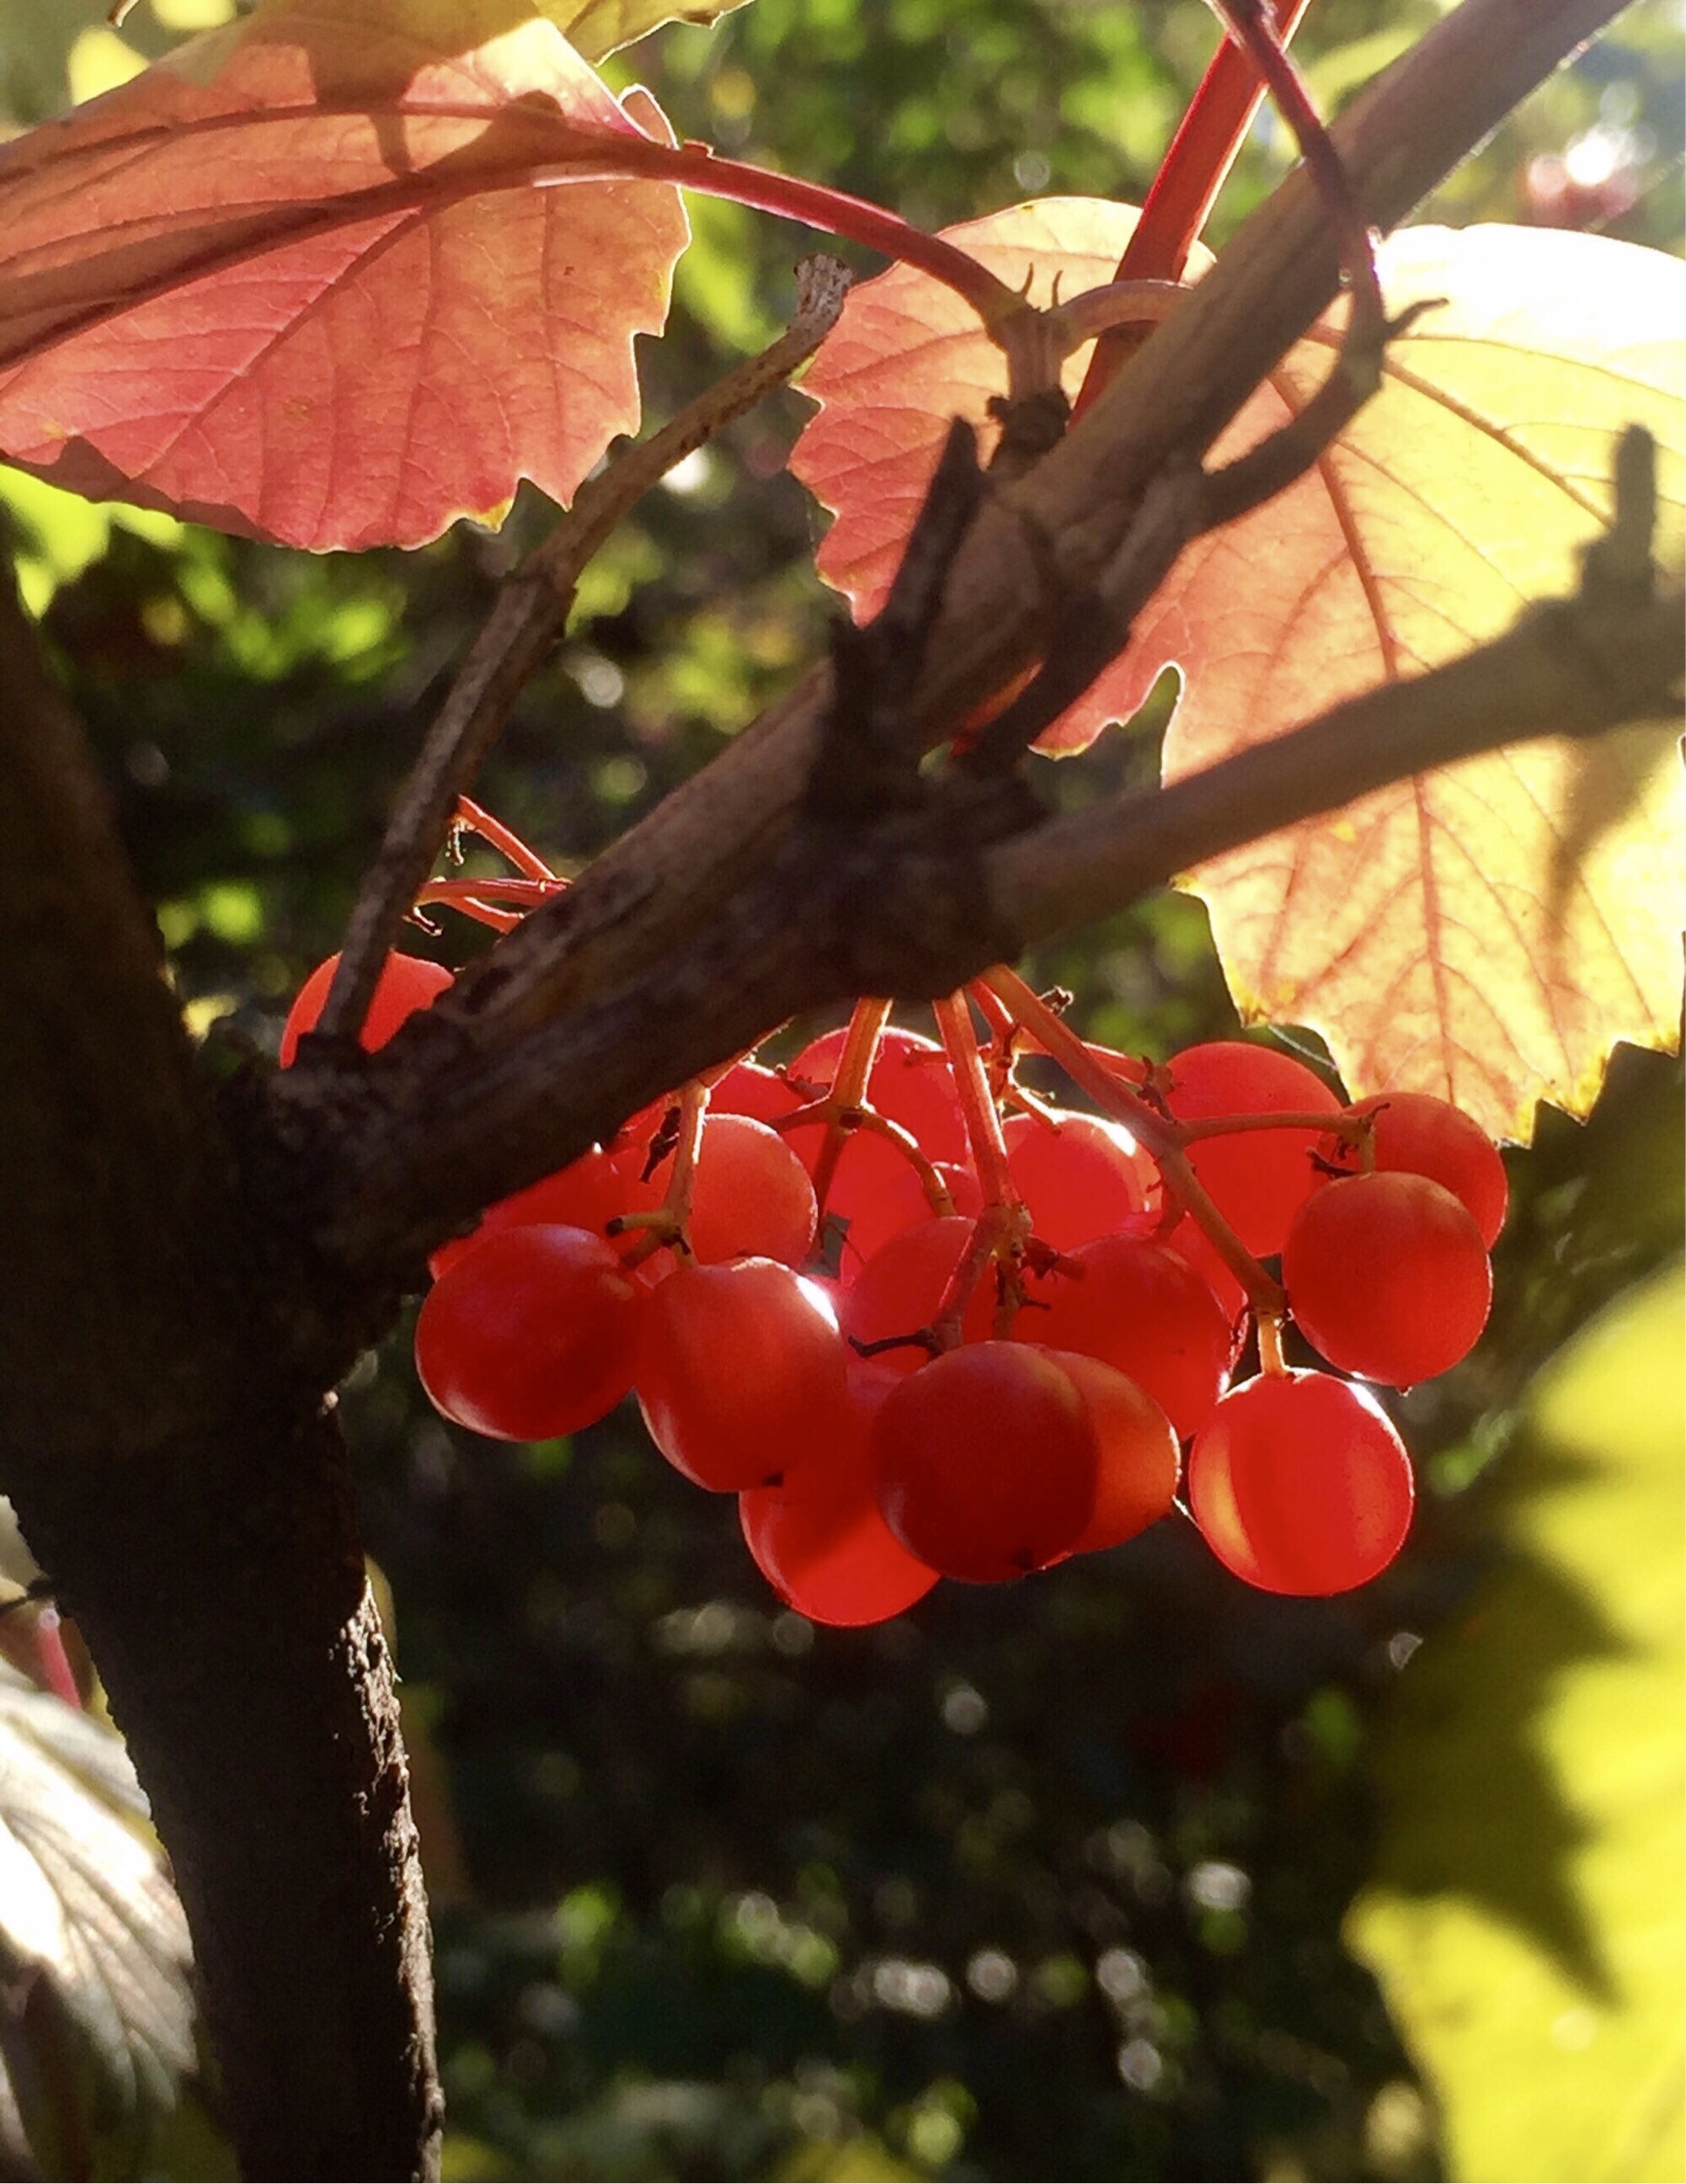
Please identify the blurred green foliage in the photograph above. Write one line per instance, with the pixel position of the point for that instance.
(1047, 1880)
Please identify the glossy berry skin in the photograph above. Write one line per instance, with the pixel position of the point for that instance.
(406, 983)
(1142, 1309)
(909, 1083)
(821, 1542)
(1387, 1277)
(901, 1289)
(1300, 1485)
(1418, 1134)
(587, 1193)
(985, 1462)
(1137, 1454)
(1082, 1177)
(740, 1372)
(750, 1196)
(1259, 1178)
(530, 1334)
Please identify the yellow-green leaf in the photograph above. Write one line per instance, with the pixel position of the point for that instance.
(597, 28)
(1527, 1917)
(1486, 932)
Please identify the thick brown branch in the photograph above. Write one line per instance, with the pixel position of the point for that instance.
(924, 900)
(1163, 412)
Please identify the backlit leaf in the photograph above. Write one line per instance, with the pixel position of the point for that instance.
(906, 355)
(597, 28)
(293, 280)
(1525, 1915)
(1486, 932)
(87, 1909)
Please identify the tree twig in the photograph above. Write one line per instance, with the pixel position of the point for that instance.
(530, 613)
(1612, 653)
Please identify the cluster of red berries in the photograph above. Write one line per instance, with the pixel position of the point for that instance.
(924, 1324)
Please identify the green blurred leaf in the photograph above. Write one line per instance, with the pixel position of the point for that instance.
(1526, 1913)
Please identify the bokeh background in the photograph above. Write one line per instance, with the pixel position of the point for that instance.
(1124, 1872)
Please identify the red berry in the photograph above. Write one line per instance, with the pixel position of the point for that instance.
(1421, 1135)
(1190, 1241)
(1387, 1276)
(986, 1462)
(1259, 1178)
(740, 1372)
(587, 1193)
(1082, 1177)
(1143, 1309)
(821, 1542)
(901, 1289)
(750, 1196)
(530, 1334)
(909, 1083)
(1136, 1455)
(747, 1089)
(1300, 1484)
(406, 983)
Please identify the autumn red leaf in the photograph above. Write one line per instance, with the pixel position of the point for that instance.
(1485, 934)
(295, 280)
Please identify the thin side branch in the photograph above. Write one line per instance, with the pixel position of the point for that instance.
(530, 614)
(1613, 653)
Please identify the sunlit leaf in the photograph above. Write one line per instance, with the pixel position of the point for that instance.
(908, 354)
(1526, 1913)
(1487, 933)
(87, 1909)
(599, 27)
(293, 281)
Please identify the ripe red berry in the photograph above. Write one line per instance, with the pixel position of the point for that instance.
(740, 1372)
(530, 1334)
(1387, 1277)
(1143, 1309)
(986, 1462)
(1259, 1178)
(750, 1196)
(1300, 1485)
(1081, 1177)
(406, 983)
(1136, 1455)
(587, 1193)
(909, 1083)
(901, 1289)
(1415, 1133)
(821, 1542)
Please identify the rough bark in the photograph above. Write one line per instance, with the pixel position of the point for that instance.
(186, 1487)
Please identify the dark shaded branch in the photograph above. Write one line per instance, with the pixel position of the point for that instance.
(184, 1487)
(530, 614)
(921, 901)
(1161, 414)
(1612, 654)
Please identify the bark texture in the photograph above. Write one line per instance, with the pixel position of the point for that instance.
(180, 1477)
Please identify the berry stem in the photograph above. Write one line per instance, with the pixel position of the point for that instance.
(1350, 1128)
(667, 1225)
(1210, 134)
(1161, 1135)
(697, 166)
(861, 1044)
(1271, 1362)
(977, 1103)
(473, 818)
